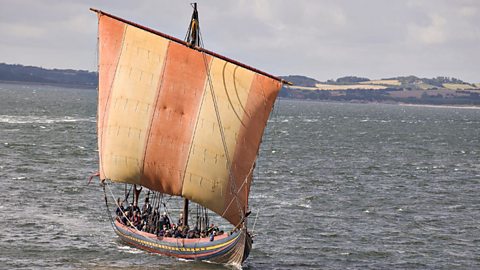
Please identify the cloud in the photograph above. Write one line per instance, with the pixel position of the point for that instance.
(433, 33)
(21, 31)
(322, 39)
(468, 11)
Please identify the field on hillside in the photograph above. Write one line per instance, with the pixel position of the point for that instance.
(321, 86)
(458, 86)
(383, 82)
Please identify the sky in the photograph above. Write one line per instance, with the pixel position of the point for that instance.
(322, 39)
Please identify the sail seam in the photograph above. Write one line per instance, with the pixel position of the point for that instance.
(195, 130)
(159, 86)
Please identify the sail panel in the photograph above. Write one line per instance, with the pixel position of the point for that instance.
(260, 102)
(132, 97)
(207, 179)
(110, 46)
(176, 112)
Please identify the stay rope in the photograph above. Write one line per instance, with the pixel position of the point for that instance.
(234, 190)
(116, 203)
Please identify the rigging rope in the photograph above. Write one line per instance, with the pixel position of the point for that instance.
(151, 217)
(118, 206)
(217, 113)
(234, 191)
(127, 194)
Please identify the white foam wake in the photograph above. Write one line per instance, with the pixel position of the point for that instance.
(33, 119)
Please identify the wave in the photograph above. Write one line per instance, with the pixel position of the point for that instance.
(31, 119)
(128, 249)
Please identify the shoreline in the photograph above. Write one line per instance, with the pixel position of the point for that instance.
(451, 106)
(89, 87)
(470, 107)
(66, 85)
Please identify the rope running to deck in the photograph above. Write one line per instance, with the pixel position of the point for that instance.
(234, 190)
(118, 206)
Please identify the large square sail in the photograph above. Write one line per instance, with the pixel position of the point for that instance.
(179, 119)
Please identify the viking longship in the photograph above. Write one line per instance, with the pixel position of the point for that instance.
(180, 122)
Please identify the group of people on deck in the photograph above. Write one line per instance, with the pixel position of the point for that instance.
(150, 220)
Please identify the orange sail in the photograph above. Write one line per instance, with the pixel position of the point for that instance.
(179, 120)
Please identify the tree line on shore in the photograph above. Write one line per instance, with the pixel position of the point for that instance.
(31, 74)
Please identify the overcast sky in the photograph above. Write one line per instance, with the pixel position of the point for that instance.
(322, 39)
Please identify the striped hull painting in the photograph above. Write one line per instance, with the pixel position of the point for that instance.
(225, 249)
(179, 120)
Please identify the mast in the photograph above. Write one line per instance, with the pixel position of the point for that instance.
(192, 40)
(193, 33)
(136, 194)
(185, 212)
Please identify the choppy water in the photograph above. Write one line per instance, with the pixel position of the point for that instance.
(339, 186)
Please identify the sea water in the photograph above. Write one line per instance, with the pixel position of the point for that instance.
(337, 186)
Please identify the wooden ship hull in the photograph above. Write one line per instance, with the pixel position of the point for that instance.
(225, 249)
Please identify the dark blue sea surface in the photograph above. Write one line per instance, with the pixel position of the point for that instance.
(337, 186)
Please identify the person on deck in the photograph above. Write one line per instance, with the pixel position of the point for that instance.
(180, 220)
(129, 213)
(196, 232)
(177, 233)
(120, 211)
(161, 221)
(137, 220)
(163, 231)
(165, 220)
(185, 231)
(146, 209)
(168, 233)
(135, 207)
(212, 229)
(191, 234)
(130, 210)
(153, 222)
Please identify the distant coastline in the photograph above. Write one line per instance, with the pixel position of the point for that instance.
(57, 77)
(422, 105)
(439, 91)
